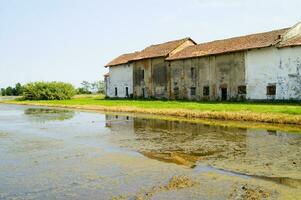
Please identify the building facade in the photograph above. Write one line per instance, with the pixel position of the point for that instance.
(119, 80)
(261, 66)
(151, 72)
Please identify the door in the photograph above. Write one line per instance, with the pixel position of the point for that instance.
(126, 92)
(224, 94)
(143, 92)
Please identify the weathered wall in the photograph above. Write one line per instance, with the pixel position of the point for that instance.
(107, 83)
(215, 72)
(155, 81)
(281, 67)
(121, 76)
(139, 82)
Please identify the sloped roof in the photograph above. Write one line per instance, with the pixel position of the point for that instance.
(252, 41)
(292, 42)
(160, 50)
(123, 59)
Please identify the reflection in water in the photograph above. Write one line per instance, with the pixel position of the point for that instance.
(46, 114)
(262, 153)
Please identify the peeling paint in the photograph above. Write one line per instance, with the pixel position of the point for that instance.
(271, 65)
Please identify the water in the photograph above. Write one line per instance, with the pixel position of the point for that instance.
(63, 154)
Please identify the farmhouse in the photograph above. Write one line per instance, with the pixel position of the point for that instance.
(260, 66)
(151, 71)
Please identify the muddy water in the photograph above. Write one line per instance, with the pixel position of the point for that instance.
(62, 154)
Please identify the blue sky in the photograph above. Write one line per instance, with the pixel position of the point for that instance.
(71, 40)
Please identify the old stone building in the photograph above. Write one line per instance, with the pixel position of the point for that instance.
(151, 75)
(145, 73)
(259, 66)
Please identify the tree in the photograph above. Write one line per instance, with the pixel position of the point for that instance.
(86, 86)
(3, 92)
(9, 91)
(48, 91)
(93, 87)
(18, 90)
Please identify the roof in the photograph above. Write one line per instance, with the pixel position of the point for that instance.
(291, 42)
(252, 41)
(161, 50)
(107, 74)
(123, 59)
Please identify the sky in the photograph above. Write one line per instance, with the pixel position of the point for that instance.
(72, 40)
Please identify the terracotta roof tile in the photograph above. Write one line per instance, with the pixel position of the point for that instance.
(258, 40)
(123, 59)
(292, 42)
(160, 50)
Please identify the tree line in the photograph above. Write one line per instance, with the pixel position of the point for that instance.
(51, 88)
(13, 91)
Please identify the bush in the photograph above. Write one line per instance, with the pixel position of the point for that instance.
(48, 91)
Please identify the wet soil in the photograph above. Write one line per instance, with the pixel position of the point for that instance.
(62, 154)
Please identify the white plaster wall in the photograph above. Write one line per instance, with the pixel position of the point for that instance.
(107, 84)
(121, 76)
(274, 66)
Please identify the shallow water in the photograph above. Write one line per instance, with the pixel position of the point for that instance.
(63, 154)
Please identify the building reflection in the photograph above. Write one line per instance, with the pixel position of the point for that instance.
(247, 151)
(176, 142)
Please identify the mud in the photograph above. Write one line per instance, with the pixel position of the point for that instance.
(249, 192)
(98, 156)
(175, 183)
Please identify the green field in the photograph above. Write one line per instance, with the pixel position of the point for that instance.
(277, 108)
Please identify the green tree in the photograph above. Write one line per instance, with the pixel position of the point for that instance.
(48, 91)
(18, 90)
(9, 91)
(3, 92)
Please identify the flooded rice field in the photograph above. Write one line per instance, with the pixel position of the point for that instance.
(62, 154)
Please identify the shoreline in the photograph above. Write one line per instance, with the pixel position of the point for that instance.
(245, 119)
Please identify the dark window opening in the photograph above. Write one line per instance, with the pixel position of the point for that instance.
(116, 92)
(176, 91)
(242, 89)
(224, 94)
(271, 90)
(126, 91)
(206, 91)
(192, 91)
(192, 72)
(142, 74)
(143, 92)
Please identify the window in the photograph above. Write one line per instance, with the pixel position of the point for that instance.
(192, 91)
(116, 92)
(176, 91)
(192, 72)
(143, 92)
(271, 90)
(206, 91)
(126, 91)
(142, 74)
(242, 89)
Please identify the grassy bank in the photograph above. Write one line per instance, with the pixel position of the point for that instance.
(256, 112)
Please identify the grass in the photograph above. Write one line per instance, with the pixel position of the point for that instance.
(283, 113)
